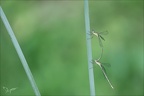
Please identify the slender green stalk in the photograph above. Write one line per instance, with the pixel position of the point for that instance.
(89, 49)
(19, 52)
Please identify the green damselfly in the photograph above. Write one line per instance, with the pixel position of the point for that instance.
(101, 65)
(99, 35)
(104, 71)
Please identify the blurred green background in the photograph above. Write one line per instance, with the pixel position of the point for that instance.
(52, 37)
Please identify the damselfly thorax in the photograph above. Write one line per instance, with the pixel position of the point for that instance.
(97, 62)
(94, 33)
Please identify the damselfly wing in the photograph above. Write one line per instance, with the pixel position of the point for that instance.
(103, 33)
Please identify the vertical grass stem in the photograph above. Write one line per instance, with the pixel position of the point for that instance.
(89, 49)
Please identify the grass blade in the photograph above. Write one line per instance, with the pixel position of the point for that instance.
(19, 52)
(89, 49)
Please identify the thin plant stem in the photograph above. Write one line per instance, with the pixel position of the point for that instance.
(19, 52)
(89, 49)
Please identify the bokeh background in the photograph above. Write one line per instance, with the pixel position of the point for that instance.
(52, 37)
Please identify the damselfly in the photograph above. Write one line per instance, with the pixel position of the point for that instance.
(99, 35)
(102, 68)
(104, 71)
